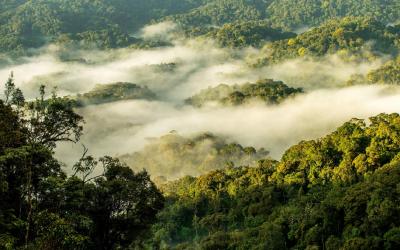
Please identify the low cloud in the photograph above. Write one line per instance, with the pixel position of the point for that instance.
(179, 71)
(126, 127)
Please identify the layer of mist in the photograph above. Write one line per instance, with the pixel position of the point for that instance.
(126, 127)
(177, 72)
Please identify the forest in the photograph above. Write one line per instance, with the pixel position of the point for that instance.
(199, 124)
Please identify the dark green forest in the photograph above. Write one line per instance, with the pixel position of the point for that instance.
(102, 205)
(109, 24)
(197, 116)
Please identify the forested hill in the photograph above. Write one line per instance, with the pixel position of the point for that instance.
(337, 192)
(217, 124)
(25, 24)
(352, 38)
(109, 24)
(287, 14)
(266, 91)
(113, 92)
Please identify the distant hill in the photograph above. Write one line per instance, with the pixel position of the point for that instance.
(267, 90)
(251, 33)
(104, 93)
(106, 24)
(110, 24)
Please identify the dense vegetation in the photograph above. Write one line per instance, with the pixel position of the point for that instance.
(173, 156)
(219, 12)
(102, 205)
(242, 34)
(26, 24)
(267, 90)
(104, 93)
(350, 37)
(286, 14)
(109, 24)
(337, 192)
(297, 14)
(199, 191)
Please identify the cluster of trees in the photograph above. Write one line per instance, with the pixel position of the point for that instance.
(244, 34)
(105, 93)
(297, 14)
(286, 14)
(351, 38)
(219, 12)
(173, 156)
(102, 205)
(337, 192)
(267, 90)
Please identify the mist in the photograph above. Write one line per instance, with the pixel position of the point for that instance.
(194, 64)
(126, 127)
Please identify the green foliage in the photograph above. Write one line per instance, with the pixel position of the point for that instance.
(297, 14)
(219, 12)
(42, 208)
(104, 93)
(242, 34)
(107, 24)
(27, 24)
(338, 192)
(267, 90)
(350, 37)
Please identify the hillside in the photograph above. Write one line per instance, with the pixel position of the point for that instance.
(337, 192)
(309, 13)
(200, 124)
(243, 34)
(110, 24)
(350, 37)
(107, 24)
(267, 91)
(104, 93)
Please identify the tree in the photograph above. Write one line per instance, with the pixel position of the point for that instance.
(18, 98)
(42, 208)
(122, 204)
(53, 120)
(9, 88)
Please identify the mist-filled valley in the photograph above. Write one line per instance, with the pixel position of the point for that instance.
(217, 124)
